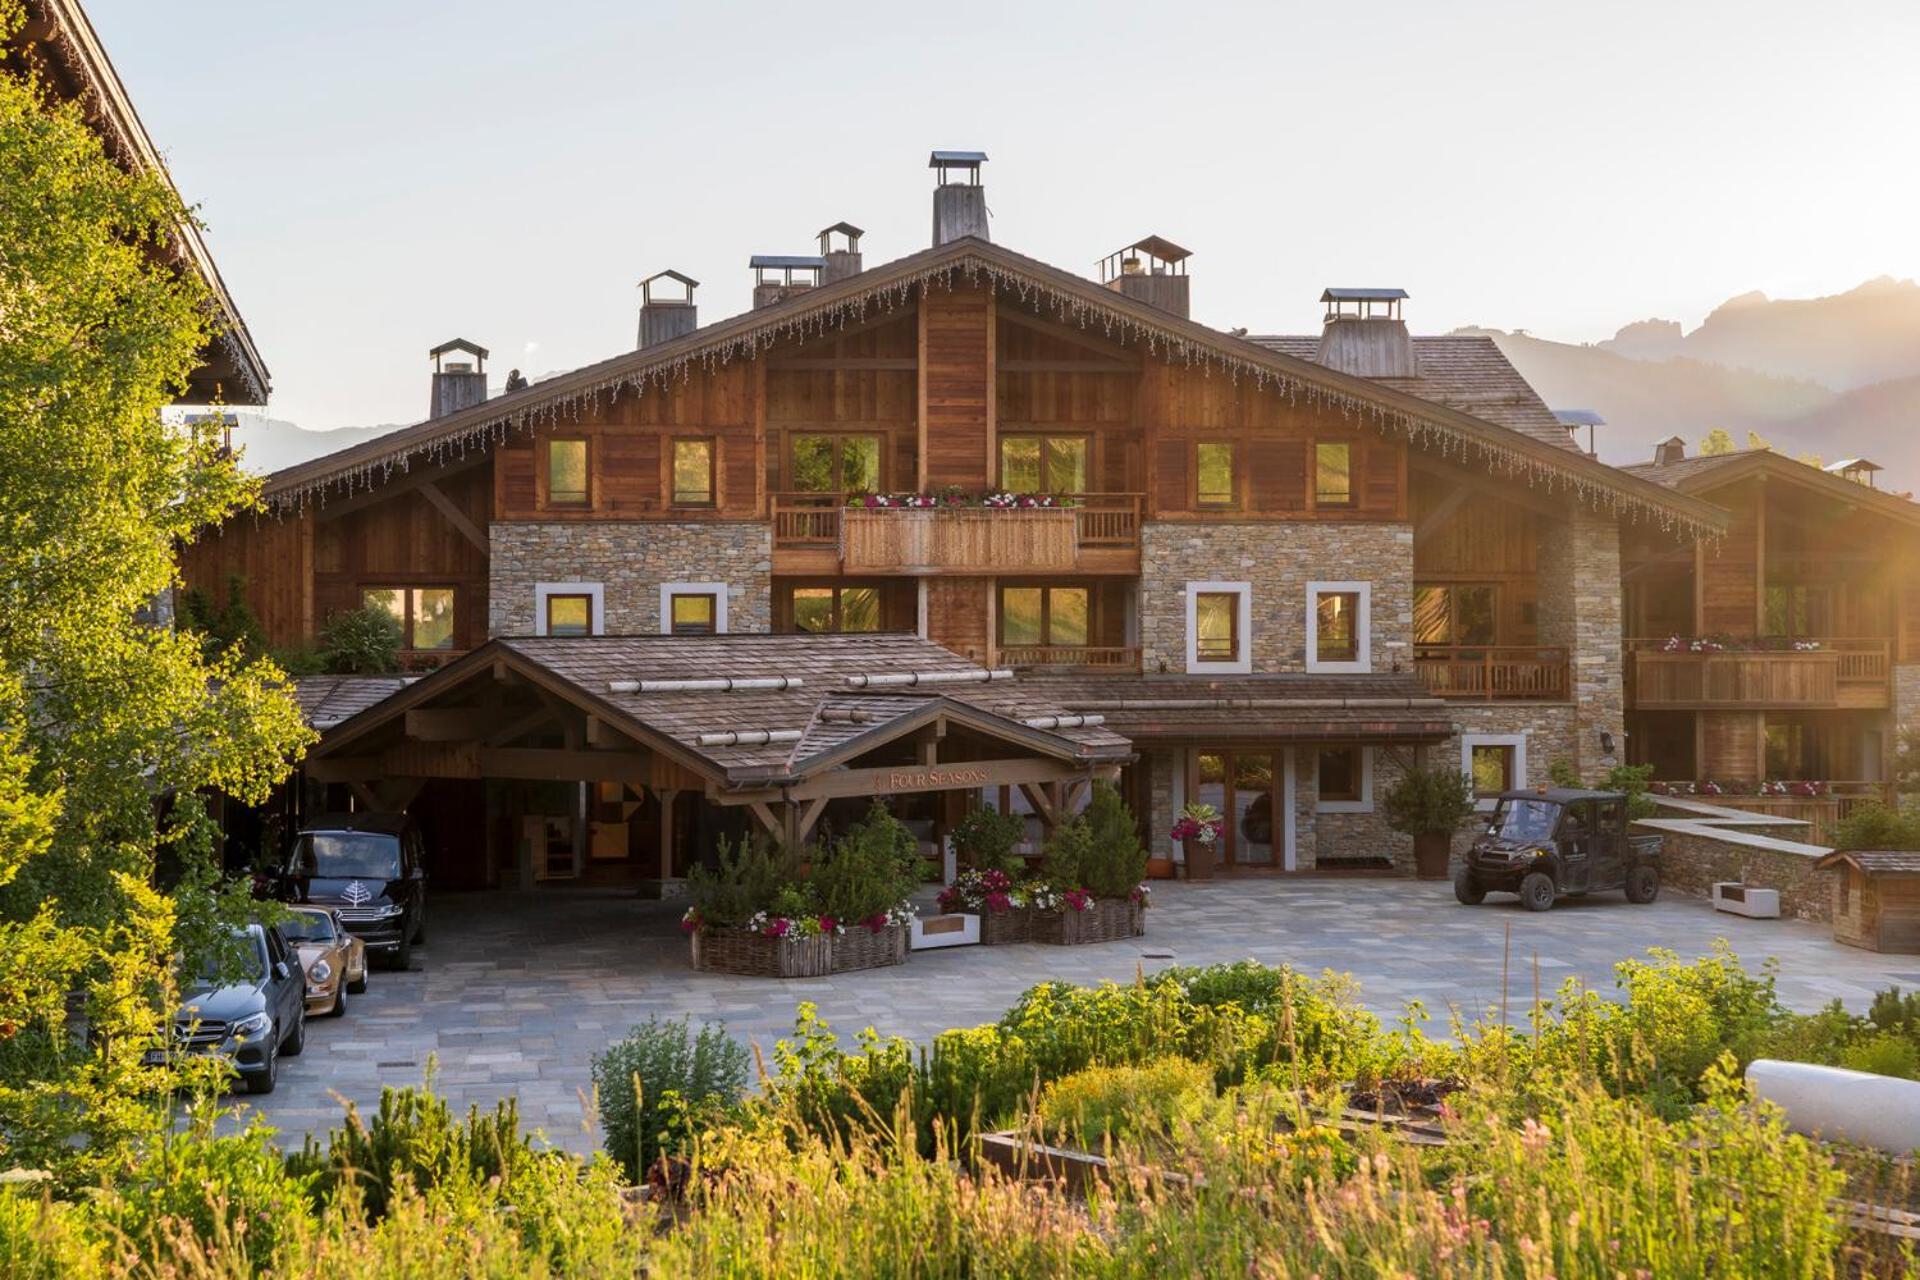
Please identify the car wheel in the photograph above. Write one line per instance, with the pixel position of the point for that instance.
(420, 926)
(1643, 884)
(401, 957)
(263, 1081)
(339, 1009)
(1468, 889)
(1536, 891)
(359, 984)
(297, 1039)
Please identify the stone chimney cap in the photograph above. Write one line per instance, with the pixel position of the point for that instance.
(956, 159)
(671, 274)
(1579, 418)
(846, 229)
(786, 262)
(1363, 295)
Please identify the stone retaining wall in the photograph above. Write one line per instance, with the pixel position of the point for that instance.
(630, 560)
(1696, 854)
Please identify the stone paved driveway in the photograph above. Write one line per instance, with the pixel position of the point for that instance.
(515, 992)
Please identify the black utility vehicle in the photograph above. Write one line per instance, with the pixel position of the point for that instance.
(367, 868)
(1546, 843)
(252, 1015)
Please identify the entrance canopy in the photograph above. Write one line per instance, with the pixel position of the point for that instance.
(757, 720)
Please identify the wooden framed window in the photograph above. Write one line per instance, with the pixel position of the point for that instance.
(1332, 474)
(694, 613)
(694, 460)
(569, 472)
(1337, 637)
(830, 462)
(1216, 474)
(830, 610)
(1216, 626)
(1493, 768)
(1053, 616)
(569, 615)
(1456, 615)
(425, 614)
(1340, 775)
(1043, 464)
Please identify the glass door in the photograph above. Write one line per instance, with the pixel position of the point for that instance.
(1244, 787)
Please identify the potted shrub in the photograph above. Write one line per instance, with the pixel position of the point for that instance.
(1198, 830)
(1094, 864)
(1429, 804)
(985, 838)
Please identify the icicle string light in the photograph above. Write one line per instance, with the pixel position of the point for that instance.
(633, 373)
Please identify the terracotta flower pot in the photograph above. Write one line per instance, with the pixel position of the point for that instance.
(1159, 868)
(1432, 850)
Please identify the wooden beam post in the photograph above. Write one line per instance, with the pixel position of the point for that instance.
(666, 796)
(455, 516)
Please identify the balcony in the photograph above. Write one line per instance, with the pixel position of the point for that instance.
(1835, 674)
(818, 533)
(1510, 673)
(1070, 657)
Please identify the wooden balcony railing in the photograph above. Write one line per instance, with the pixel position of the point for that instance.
(1846, 673)
(1821, 812)
(1494, 674)
(1098, 657)
(1092, 531)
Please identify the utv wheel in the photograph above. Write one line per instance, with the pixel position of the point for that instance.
(1536, 891)
(1643, 884)
(297, 1041)
(264, 1081)
(1468, 889)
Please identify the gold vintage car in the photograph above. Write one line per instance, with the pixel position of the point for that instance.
(335, 960)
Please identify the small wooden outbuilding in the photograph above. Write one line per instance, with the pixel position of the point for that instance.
(1876, 898)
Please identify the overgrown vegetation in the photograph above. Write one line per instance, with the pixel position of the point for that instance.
(1607, 1137)
(1876, 826)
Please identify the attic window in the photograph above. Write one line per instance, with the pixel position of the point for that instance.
(567, 473)
(1332, 474)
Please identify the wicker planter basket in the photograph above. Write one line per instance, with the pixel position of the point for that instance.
(999, 928)
(861, 948)
(1107, 920)
(754, 956)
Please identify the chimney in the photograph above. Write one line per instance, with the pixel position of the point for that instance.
(457, 384)
(774, 277)
(1151, 270)
(842, 262)
(1669, 451)
(664, 319)
(1364, 334)
(959, 207)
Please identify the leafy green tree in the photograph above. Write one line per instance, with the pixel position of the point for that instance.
(363, 642)
(1718, 441)
(112, 727)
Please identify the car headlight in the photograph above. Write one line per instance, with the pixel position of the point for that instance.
(320, 971)
(252, 1025)
(387, 912)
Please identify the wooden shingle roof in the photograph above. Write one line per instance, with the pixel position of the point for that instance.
(1289, 707)
(1875, 862)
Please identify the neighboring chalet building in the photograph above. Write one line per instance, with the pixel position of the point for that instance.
(1788, 649)
(1284, 568)
(58, 45)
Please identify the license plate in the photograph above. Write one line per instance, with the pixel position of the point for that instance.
(154, 1058)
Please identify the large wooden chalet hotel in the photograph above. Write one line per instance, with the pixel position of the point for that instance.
(966, 528)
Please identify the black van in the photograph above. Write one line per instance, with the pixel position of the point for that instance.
(370, 869)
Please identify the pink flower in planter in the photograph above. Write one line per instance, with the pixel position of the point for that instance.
(691, 922)
(997, 900)
(951, 899)
(876, 922)
(778, 928)
(828, 924)
(1078, 899)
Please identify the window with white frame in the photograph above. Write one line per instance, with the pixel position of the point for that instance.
(569, 609)
(1339, 626)
(1495, 762)
(693, 608)
(1219, 628)
(1345, 780)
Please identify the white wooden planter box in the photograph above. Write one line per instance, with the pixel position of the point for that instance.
(932, 932)
(1746, 900)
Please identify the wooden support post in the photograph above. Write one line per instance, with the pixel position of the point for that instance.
(808, 819)
(666, 796)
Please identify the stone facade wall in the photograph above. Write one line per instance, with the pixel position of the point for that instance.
(1278, 560)
(1579, 607)
(1355, 835)
(1906, 707)
(630, 560)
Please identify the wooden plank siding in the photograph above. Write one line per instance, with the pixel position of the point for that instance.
(956, 411)
(1481, 541)
(272, 558)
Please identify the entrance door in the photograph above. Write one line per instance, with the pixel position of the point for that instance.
(1245, 786)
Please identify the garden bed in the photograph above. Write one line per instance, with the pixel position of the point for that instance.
(1103, 920)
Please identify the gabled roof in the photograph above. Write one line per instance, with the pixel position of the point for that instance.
(59, 43)
(595, 673)
(1342, 293)
(1707, 472)
(1879, 862)
(459, 344)
(1467, 372)
(1545, 463)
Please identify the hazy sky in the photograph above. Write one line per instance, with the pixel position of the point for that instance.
(381, 176)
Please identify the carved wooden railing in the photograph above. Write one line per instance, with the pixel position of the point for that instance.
(962, 538)
(1836, 673)
(1499, 673)
(1101, 657)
